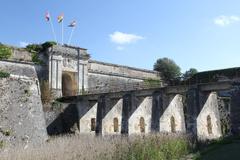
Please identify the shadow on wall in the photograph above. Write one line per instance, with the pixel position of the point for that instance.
(66, 122)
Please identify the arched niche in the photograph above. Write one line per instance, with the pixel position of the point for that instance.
(209, 124)
(173, 124)
(142, 125)
(115, 124)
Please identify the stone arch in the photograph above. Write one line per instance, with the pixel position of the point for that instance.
(209, 124)
(173, 124)
(115, 125)
(142, 125)
(68, 84)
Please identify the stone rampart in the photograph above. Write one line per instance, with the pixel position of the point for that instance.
(21, 113)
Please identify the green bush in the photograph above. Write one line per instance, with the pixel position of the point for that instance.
(34, 48)
(5, 52)
(48, 44)
(36, 59)
(4, 74)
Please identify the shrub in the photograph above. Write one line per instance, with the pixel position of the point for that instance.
(48, 44)
(34, 48)
(4, 74)
(5, 52)
(36, 59)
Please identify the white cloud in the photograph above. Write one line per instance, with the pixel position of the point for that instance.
(23, 44)
(226, 20)
(124, 38)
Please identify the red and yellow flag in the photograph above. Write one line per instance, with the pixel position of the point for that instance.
(60, 18)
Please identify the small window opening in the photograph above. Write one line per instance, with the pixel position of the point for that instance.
(93, 124)
(142, 125)
(115, 125)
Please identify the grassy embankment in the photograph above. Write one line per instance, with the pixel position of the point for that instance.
(154, 147)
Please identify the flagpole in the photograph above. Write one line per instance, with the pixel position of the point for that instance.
(62, 31)
(53, 31)
(70, 38)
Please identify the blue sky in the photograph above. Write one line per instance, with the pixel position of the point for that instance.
(201, 34)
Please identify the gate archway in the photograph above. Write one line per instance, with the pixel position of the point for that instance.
(68, 84)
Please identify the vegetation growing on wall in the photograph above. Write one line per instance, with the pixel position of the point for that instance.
(37, 48)
(35, 59)
(46, 94)
(152, 82)
(48, 44)
(5, 52)
(4, 74)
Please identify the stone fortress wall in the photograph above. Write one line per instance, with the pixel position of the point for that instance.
(208, 111)
(21, 111)
(65, 69)
(74, 66)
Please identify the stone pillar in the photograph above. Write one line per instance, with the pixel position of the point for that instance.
(82, 76)
(157, 111)
(192, 110)
(101, 109)
(55, 74)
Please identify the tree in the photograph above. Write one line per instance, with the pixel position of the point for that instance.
(168, 68)
(188, 74)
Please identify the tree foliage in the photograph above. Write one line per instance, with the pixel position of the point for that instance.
(189, 73)
(5, 52)
(168, 68)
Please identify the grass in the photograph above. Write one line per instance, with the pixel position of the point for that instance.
(220, 150)
(154, 147)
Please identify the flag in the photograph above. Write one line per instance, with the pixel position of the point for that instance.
(60, 18)
(72, 24)
(47, 16)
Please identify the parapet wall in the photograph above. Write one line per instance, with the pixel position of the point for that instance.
(121, 71)
(108, 75)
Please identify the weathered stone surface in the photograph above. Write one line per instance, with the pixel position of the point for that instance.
(140, 120)
(208, 121)
(21, 115)
(175, 112)
(109, 128)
